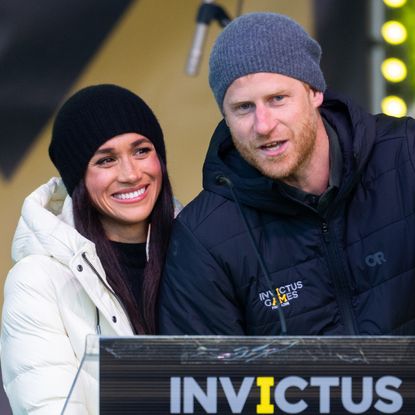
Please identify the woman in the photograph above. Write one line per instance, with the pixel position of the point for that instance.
(89, 248)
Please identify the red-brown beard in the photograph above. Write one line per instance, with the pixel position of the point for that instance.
(289, 165)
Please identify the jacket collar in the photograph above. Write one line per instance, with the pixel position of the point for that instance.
(46, 225)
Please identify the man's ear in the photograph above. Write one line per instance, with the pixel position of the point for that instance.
(317, 97)
(224, 116)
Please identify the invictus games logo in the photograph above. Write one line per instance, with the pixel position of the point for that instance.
(277, 395)
(285, 294)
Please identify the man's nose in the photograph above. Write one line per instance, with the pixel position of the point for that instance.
(264, 120)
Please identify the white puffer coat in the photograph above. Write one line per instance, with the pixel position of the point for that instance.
(51, 299)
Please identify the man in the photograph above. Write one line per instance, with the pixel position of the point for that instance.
(327, 191)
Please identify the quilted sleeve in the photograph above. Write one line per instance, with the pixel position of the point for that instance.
(197, 296)
(37, 360)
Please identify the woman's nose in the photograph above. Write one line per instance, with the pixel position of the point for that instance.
(129, 171)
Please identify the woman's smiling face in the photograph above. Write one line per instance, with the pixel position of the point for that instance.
(123, 180)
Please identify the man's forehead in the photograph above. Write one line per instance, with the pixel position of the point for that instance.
(265, 82)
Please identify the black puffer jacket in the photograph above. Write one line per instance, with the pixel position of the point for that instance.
(349, 272)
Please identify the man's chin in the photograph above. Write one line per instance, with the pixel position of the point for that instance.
(271, 170)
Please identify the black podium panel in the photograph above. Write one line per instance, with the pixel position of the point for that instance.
(257, 375)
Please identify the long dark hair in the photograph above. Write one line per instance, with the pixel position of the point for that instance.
(142, 316)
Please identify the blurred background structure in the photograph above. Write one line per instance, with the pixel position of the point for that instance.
(49, 49)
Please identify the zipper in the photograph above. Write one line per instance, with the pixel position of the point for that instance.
(109, 289)
(337, 273)
(339, 278)
(336, 269)
(98, 325)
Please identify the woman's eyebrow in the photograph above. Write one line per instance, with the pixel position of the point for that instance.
(135, 143)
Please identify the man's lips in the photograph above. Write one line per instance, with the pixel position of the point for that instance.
(274, 148)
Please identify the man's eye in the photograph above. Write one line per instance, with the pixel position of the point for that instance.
(244, 107)
(278, 98)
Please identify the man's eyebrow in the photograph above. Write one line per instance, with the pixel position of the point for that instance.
(238, 101)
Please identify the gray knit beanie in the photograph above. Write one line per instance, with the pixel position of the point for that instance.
(264, 42)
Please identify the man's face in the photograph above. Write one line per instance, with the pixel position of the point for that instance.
(273, 120)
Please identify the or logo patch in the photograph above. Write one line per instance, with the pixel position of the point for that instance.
(285, 294)
(373, 260)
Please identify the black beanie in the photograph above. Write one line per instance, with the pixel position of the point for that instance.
(91, 117)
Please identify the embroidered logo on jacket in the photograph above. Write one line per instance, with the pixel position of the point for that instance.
(378, 258)
(285, 294)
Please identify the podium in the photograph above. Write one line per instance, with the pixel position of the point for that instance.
(252, 375)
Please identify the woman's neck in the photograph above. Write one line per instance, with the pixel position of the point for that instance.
(126, 233)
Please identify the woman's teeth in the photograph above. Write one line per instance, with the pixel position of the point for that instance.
(131, 195)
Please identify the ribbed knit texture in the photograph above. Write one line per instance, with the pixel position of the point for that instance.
(264, 42)
(91, 117)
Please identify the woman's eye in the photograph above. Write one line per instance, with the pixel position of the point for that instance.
(104, 161)
(141, 151)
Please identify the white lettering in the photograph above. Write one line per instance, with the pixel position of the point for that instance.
(382, 389)
(192, 391)
(324, 383)
(279, 394)
(367, 395)
(175, 395)
(235, 400)
(185, 391)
